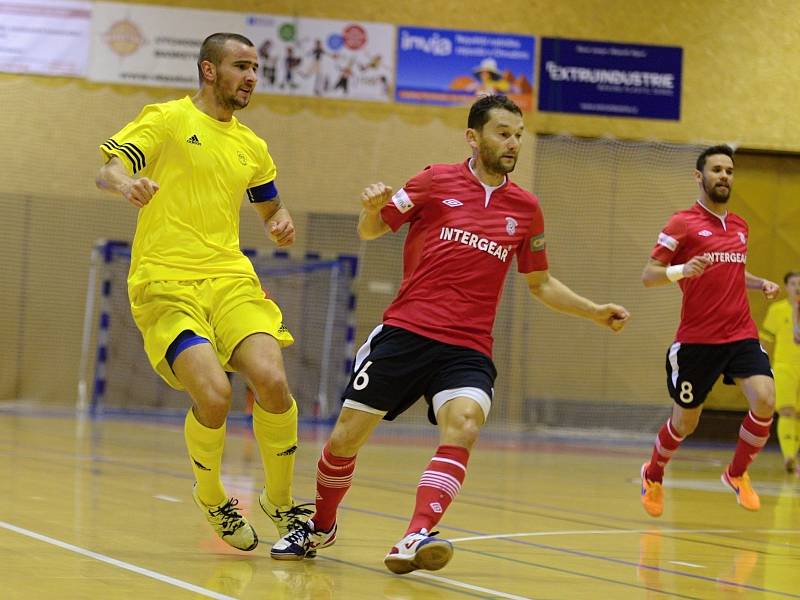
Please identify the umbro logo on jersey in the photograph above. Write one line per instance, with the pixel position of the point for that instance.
(452, 202)
(193, 140)
(704, 233)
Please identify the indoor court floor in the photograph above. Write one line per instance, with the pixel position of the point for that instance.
(102, 509)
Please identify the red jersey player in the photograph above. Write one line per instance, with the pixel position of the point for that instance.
(467, 222)
(704, 249)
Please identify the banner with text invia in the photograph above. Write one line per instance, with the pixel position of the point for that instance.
(604, 78)
(448, 67)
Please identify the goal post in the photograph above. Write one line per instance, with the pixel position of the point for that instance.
(316, 296)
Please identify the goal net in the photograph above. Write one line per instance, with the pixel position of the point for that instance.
(315, 296)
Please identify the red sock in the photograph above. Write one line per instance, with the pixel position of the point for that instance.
(753, 435)
(667, 442)
(438, 486)
(334, 477)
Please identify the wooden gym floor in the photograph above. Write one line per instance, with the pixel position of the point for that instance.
(103, 509)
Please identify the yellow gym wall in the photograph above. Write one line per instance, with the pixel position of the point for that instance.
(740, 82)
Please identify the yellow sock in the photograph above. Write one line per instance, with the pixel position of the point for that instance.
(205, 447)
(787, 436)
(277, 441)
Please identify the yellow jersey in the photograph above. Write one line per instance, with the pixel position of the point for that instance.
(779, 329)
(190, 228)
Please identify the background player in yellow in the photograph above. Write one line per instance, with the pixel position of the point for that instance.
(781, 329)
(186, 165)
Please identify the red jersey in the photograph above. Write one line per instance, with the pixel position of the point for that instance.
(461, 239)
(715, 308)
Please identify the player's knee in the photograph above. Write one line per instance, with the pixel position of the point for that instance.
(788, 411)
(272, 390)
(462, 428)
(765, 403)
(214, 403)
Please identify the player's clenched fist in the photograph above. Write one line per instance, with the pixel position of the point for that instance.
(696, 266)
(282, 232)
(375, 196)
(139, 191)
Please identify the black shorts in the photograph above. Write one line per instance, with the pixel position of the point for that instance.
(396, 367)
(693, 369)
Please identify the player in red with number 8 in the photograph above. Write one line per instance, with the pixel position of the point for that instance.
(704, 250)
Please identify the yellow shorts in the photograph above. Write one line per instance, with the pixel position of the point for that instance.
(787, 385)
(225, 310)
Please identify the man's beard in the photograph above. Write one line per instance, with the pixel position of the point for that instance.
(717, 194)
(230, 102)
(493, 163)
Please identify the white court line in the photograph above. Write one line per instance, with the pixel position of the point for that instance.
(117, 563)
(167, 498)
(617, 532)
(685, 564)
(474, 588)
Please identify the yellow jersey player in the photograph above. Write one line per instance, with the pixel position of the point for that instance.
(781, 328)
(186, 165)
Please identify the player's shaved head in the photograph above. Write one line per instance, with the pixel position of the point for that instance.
(213, 48)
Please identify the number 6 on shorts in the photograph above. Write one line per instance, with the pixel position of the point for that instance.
(362, 379)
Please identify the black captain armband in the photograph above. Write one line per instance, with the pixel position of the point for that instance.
(263, 193)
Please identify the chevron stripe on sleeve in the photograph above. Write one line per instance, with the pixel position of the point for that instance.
(134, 155)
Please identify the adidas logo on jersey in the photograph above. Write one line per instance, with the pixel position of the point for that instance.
(193, 140)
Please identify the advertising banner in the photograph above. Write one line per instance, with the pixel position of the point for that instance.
(156, 45)
(152, 45)
(449, 67)
(605, 78)
(44, 37)
(320, 57)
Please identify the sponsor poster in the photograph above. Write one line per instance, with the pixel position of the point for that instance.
(152, 45)
(450, 67)
(605, 78)
(44, 37)
(157, 45)
(320, 57)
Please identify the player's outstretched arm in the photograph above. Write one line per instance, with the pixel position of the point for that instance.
(277, 221)
(370, 223)
(557, 296)
(770, 288)
(113, 178)
(657, 273)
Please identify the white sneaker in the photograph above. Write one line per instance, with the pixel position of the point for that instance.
(229, 523)
(302, 542)
(419, 550)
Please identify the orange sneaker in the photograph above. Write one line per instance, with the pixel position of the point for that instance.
(745, 494)
(652, 494)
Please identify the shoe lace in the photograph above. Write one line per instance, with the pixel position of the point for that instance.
(296, 515)
(299, 535)
(229, 517)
